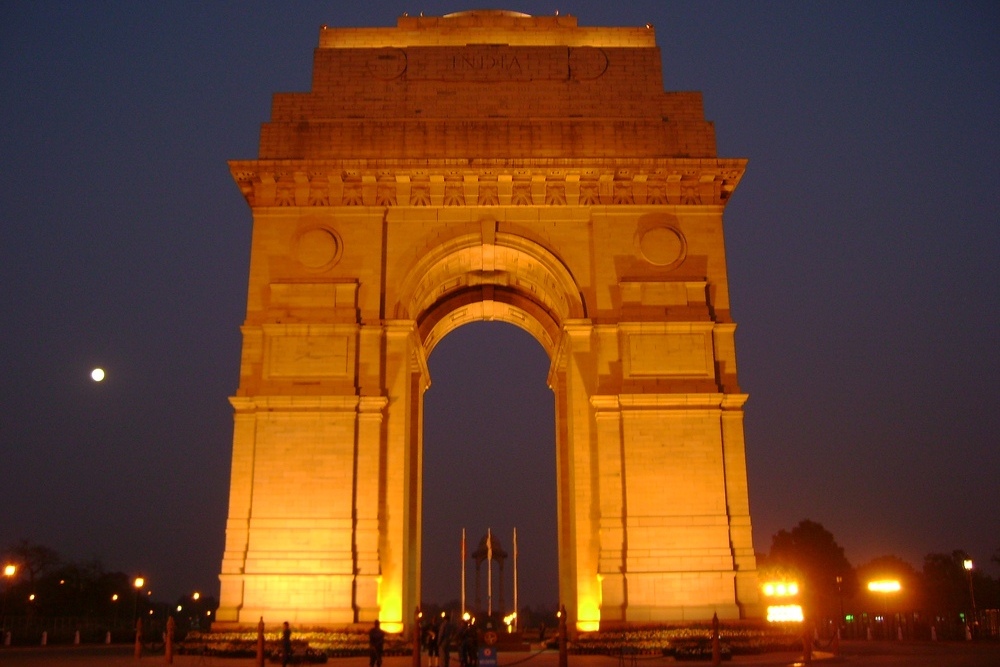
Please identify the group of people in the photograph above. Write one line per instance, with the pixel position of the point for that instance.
(436, 638)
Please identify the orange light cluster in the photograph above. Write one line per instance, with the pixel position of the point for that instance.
(781, 589)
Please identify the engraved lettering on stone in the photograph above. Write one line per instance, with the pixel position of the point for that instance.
(587, 62)
(481, 62)
(485, 64)
(387, 64)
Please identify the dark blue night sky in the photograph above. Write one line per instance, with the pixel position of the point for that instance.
(863, 251)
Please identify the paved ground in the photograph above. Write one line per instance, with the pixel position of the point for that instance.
(854, 654)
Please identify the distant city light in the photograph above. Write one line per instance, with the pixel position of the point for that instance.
(784, 613)
(780, 589)
(884, 586)
(9, 570)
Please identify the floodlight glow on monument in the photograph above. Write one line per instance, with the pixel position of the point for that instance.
(461, 168)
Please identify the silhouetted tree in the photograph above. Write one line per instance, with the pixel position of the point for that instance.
(946, 582)
(32, 560)
(811, 549)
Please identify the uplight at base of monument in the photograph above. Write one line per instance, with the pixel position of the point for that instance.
(588, 617)
(390, 610)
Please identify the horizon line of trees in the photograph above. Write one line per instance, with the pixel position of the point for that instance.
(831, 587)
(46, 585)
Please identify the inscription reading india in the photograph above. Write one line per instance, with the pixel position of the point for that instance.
(482, 62)
(488, 63)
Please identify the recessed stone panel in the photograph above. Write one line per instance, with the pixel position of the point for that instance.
(308, 356)
(669, 354)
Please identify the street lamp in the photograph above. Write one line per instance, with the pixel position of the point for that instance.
(885, 586)
(788, 610)
(9, 570)
(840, 595)
(967, 564)
(138, 584)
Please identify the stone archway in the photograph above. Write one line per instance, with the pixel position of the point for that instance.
(487, 165)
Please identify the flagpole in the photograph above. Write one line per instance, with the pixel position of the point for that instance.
(489, 573)
(463, 572)
(515, 578)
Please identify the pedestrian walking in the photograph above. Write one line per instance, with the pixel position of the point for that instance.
(286, 644)
(376, 645)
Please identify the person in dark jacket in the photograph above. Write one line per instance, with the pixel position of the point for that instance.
(376, 645)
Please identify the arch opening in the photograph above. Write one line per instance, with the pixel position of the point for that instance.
(489, 456)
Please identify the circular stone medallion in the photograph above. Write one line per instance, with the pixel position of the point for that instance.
(662, 246)
(317, 248)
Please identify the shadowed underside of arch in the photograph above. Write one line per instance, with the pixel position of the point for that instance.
(512, 280)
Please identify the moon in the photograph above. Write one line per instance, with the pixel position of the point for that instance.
(97, 374)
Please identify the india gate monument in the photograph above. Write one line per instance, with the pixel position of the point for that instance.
(487, 165)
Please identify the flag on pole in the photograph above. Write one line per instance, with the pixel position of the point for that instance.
(489, 572)
(515, 578)
(463, 571)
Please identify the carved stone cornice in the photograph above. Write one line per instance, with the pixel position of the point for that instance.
(487, 183)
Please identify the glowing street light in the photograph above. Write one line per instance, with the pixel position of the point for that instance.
(781, 589)
(9, 570)
(967, 564)
(137, 584)
(787, 612)
(885, 587)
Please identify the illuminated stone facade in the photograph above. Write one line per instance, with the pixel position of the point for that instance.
(487, 166)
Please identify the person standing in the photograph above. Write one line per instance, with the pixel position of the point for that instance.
(468, 649)
(431, 644)
(286, 644)
(376, 645)
(445, 631)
